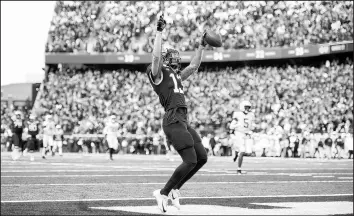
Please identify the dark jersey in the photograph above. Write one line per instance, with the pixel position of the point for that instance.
(171, 95)
(17, 126)
(340, 142)
(33, 128)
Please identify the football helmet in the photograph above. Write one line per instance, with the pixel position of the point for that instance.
(171, 58)
(32, 117)
(113, 118)
(48, 117)
(18, 114)
(58, 127)
(245, 106)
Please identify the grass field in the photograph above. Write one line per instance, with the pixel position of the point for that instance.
(93, 185)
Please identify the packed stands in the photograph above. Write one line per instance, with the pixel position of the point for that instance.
(124, 26)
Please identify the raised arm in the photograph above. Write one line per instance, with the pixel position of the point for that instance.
(195, 63)
(156, 53)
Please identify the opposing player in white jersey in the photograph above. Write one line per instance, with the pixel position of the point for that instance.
(58, 140)
(111, 134)
(48, 132)
(242, 124)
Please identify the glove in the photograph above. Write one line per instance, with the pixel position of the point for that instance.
(161, 24)
(202, 39)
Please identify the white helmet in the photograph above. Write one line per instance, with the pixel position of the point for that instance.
(48, 117)
(113, 118)
(245, 106)
(58, 126)
(32, 117)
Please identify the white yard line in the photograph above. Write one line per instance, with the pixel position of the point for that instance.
(323, 176)
(345, 177)
(150, 198)
(64, 175)
(158, 183)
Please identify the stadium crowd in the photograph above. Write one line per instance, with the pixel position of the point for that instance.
(287, 100)
(127, 26)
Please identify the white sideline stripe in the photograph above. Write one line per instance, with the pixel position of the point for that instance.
(345, 177)
(167, 174)
(323, 176)
(158, 183)
(149, 198)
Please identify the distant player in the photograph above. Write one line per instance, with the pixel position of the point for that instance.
(33, 131)
(339, 145)
(111, 135)
(17, 127)
(58, 139)
(242, 124)
(48, 132)
(166, 76)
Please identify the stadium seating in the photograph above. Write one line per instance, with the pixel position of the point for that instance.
(120, 26)
(295, 97)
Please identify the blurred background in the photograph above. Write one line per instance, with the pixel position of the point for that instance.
(82, 61)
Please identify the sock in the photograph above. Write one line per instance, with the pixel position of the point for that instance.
(111, 152)
(236, 155)
(181, 171)
(199, 165)
(60, 150)
(240, 159)
(189, 158)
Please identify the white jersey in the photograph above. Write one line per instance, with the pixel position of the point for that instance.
(111, 129)
(242, 122)
(48, 128)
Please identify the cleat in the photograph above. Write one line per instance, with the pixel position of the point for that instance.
(239, 172)
(161, 200)
(174, 196)
(43, 157)
(32, 158)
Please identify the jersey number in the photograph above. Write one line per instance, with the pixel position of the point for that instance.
(176, 89)
(246, 123)
(32, 127)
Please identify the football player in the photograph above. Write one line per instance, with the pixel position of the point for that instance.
(48, 132)
(166, 75)
(111, 135)
(242, 124)
(33, 131)
(17, 127)
(58, 138)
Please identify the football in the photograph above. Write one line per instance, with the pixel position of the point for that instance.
(213, 39)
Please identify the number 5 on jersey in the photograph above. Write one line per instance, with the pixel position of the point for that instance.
(176, 89)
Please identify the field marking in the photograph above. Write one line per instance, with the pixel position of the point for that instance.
(168, 174)
(284, 208)
(345, 177)
(150, 198)
(158, 183)
(323, 176)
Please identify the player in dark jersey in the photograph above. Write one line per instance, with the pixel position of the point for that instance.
(166, 76)
(33, 130)
(17, 126)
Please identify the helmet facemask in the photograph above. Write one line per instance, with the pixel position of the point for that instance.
(172, 59)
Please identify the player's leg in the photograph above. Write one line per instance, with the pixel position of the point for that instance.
(15, 152)
(60, 147)
(202, 157)
(31, 146)
(241, 152)
(182, 141)
(110, 147)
